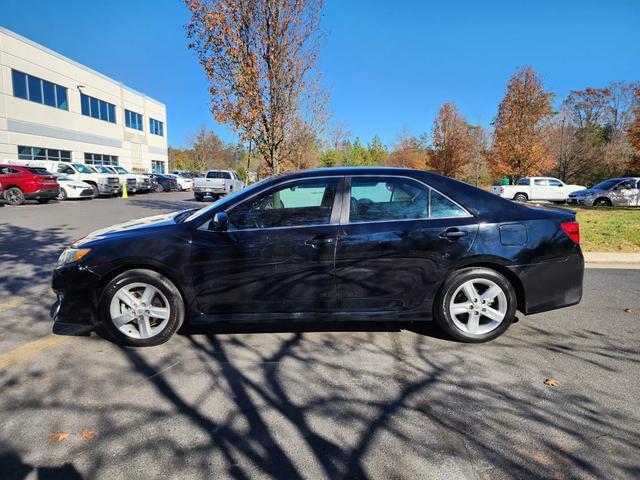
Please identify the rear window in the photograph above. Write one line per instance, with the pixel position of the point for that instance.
(218, 175)
(38, 171)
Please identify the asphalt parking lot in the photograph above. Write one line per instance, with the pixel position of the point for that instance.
(308, 401)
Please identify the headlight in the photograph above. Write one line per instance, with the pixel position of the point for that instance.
(71, 255)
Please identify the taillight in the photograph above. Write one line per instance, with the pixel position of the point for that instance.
(572, 229)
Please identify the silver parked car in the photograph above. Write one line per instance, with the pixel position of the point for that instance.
(615, 192)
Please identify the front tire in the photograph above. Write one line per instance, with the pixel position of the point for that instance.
(62, 194)
(475, 305)
(141, 308)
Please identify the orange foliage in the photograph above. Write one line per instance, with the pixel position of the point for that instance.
(408, 153)
(520, 139)
(450, 153)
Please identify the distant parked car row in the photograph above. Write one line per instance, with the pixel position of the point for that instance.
(46, 180)
(615, 192)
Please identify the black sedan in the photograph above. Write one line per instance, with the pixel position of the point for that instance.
(343, 243)
(164, 183)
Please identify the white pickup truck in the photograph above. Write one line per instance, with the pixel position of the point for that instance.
(536, 188)
(216, 183)
(102, 184)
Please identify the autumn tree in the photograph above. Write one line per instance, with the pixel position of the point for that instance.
(521, 128)
(259, 57)
(207, 151)
(476, 170)
(409, 152)
(450, 144)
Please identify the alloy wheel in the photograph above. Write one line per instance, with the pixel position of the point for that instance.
(478, 306)
(140, 310)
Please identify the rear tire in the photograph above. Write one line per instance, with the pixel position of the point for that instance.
(130, 319)
(520, 197)
(14, 196)
(199, 197)
(479, 319)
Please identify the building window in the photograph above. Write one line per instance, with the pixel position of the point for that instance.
(157, 166)
(38, 90)
(99, 159)
(38, 153)
(133, 120)
(156, 127)
(96, 108)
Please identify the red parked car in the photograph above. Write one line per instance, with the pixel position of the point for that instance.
(27, 183)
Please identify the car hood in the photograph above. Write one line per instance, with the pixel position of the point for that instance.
(137, 225)
(586, 191)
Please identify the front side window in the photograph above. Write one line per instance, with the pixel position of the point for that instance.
(387, 199)
(627, 185)
(300, 203)
(65, 169)
(554, 183)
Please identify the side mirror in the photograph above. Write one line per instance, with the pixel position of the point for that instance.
(220, 222)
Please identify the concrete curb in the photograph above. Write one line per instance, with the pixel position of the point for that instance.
(612, 257)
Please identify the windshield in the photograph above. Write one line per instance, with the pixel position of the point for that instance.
(64, 178)
(120, 170)
(214, 174)
(607, 184)
(82, 168)
(102, 169)
(204, 210)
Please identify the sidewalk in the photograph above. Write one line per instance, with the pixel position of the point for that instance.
(612, 260)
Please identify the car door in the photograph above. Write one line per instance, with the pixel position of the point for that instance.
(625, 194)
(557, 190)
(277, 255)
(396, 242)
(539, 189)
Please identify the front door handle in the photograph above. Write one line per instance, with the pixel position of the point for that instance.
(317, 241)
(453, 233)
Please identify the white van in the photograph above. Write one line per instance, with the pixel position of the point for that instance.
(100, 183)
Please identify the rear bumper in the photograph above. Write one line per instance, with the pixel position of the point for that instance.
(45, 193)
(74, 286)
(551, 285)
(209, 190)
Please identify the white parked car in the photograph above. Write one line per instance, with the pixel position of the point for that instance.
(70, 188)
(184, 183)
(536, 188)
(217, 183)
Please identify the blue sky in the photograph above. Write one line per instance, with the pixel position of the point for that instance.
(387, 64)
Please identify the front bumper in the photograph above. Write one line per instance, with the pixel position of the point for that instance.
(109, 188)
(74, 286)
(579, 201)
(551, 285)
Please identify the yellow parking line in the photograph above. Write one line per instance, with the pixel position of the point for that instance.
(30, 349)
(12, 303)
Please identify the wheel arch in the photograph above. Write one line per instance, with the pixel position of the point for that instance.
(499, 267)
(520, 193)
(142, 265)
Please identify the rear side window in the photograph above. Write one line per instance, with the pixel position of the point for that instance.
(398, 199)
(218, 175)
(540, 182)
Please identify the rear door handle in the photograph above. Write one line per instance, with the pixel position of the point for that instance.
(317, 241)
(453, 233)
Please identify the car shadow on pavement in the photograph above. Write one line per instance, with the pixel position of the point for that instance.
(165, 205)
(12, 467)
